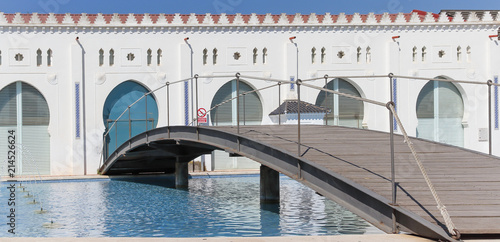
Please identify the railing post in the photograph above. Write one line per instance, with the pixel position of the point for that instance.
(393, 170)
(489, 116)
(279, 102)
(244, 111)
(298, 82)
(196, 81)
(146, 97)
(238, 101)
(168, 109)
(326, 97)
(168, 103)
(129, 125)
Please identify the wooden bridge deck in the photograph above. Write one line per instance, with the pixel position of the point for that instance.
(467, 182)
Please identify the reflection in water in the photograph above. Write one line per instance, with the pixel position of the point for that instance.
(221, 206)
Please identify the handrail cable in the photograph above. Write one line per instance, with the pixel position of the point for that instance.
(446, 216)
(345, 95)
(241, 94)
(343, 77)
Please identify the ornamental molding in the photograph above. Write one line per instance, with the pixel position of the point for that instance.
(190, 29)
(166, 20)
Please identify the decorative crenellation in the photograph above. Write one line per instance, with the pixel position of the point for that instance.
(415, 17)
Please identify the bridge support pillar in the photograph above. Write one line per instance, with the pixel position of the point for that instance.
(269, 185)
(181, 175)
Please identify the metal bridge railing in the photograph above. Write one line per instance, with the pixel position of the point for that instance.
(393, 117)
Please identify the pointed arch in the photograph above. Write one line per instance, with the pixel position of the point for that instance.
(459, 53)
(264, 55)
(440, 110)
(205, 56)
(469, 54)
(149, 57)
(358, 54)
(313, 55)
(214, 56)
(414, 54)
(368, 54)
(111, 57)
(323, 55)
(255, 55)
(38, 57)
(251, 111)
(24, 109)
(344, 111)
(101, 57)
(158, 57)
(143, 114)
(424, 54)
(49, 57)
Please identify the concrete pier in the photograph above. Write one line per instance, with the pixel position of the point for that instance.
(269, 185)
(181, 175)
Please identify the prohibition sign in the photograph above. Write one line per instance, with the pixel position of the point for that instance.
(202, 112)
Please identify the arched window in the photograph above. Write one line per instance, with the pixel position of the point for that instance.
(440, 110)
(24, 109)
(254, 56)
(205, 56)
(323, 55)
(469, 54)
(368, 54)
(49, 57)
(358, 54)
(424, 53)
(344, 111)
(250, 106)
(214, 56)
(414, 55)
(264, 56)
(38, 57)
(111, 57)
(0, 58)
(149, 57)
(158, 57)
(143, 115)
(101, 57)
(313, 55)
(459, 54)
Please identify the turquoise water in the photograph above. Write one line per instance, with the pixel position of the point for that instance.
(223, 206)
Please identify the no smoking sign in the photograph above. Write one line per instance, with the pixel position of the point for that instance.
(202, 115)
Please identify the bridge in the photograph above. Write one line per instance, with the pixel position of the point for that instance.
(349, 166)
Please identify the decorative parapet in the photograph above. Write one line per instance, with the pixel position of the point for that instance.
(124, 20)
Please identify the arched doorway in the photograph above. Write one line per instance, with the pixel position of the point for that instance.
(25, 113)
(344, 111)
(225, 114)
(250, 109)
(440, 110)
(142, 116)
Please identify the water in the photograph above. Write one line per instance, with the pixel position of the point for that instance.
(223, 206)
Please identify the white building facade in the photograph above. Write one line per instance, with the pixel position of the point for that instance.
(65, 78)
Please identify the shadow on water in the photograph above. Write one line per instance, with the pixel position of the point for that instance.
(270, 207)
(270, 225)
(164, 180)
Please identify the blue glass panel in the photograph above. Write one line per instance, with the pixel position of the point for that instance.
(141, 117)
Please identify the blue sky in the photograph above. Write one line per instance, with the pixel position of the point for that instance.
(240, 6)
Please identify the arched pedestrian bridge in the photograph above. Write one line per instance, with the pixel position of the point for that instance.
(350, 166)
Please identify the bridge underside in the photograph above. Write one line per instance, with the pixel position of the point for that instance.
(158, 156)
(349, 166)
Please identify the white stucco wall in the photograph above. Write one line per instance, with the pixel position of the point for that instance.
(56, 82)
